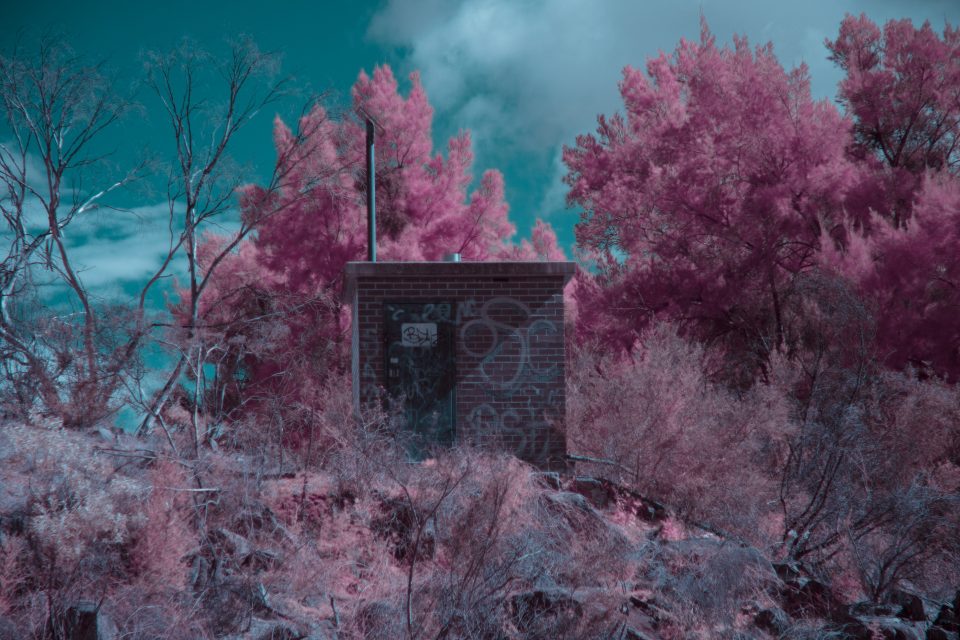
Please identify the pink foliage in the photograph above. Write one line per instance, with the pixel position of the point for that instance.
(726, 190)
(541, 246)
(162, 542)
(276, 302)
(901, 88)
(914, 284)
(675, 436)
(710, 195)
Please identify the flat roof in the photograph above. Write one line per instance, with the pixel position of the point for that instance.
(353, 271)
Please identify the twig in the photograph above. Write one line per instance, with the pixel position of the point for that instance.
(336, 614)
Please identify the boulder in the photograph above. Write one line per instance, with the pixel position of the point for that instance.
(807, 597)
(568, 500)
(911, 606)
(947, 619)
(323, 630)
(260, 629)
(550, 479)
(534, 607)
(874, 609)
(596, 491)
(853, 629)
(82, 621)
(774, 621)
(898, 629)
(264, 629)
(9, 630)
(232, 543)
(577, 512)
(629, 633)
(399, 524)
(787, 571)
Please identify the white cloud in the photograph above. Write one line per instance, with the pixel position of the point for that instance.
(113, 247)
(529, 75)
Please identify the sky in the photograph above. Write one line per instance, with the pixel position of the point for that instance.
(524, 76)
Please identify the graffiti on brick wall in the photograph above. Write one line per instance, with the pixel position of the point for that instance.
(521, 391)
(505, 349)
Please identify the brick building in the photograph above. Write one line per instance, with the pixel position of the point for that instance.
(475, 349)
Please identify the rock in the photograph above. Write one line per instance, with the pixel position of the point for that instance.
(242, 552)
(399, 524)
(774, 621)
(634, 634)
(323, 630)
(380, 620)
(551, 479)
(272, 630)
(787, 571)
(644, 617)
(853, 629)
(577, 512)
(651, 510)
(806, 597)
(199, 572)
(532, 607)
(897, 629)
(13, 522)
(570, 500)
(7, 448)
(234, 544)
(939, 633)
(644, 508)
(264, 629)
(263, 559)
(83, 621)
(260, 629)
(947, 619)
(651, 608)
(581, 520)
(873, 609)
(9, 631)
(596, 491)
(911, 607)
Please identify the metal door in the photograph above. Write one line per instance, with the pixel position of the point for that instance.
(421, 366)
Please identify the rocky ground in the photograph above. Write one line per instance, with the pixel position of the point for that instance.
(102, 538)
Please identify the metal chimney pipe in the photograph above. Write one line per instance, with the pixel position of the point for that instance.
(371, 196)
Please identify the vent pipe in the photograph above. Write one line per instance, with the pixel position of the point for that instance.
(371, 195)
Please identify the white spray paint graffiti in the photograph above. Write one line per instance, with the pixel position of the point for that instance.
(499, 334)
(499, 339)
(420, 365)
(509, 370)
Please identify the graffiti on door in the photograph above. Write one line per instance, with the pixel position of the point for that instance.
(420, 366)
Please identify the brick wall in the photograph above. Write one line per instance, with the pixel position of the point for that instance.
(509, 346)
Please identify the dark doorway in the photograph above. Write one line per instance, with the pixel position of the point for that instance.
(421, 366)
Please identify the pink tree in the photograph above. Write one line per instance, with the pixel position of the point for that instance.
(902, 89)
(277, 309)
(709, 198)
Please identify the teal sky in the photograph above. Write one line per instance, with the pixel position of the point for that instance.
(525, 76)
